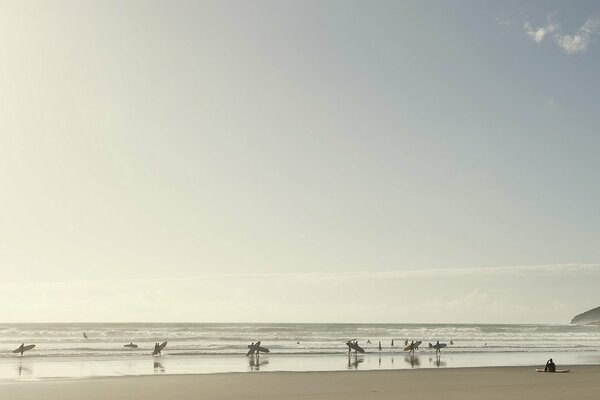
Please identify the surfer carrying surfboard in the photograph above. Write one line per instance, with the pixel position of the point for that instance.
(353, 345)
(22, 348)
(256, 348)
(550, 366)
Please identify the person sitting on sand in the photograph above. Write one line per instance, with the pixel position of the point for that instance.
(550, 366)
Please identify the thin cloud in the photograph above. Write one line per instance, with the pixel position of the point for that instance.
(491, 295)
(503, 21)
(580, 41)
(569, 43)
(538, 34)
(336, 276)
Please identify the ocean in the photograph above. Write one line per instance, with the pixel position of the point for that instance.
(62, 351)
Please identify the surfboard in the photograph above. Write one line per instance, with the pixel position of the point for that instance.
(259, 348)
(355, 347)
(160, 348)
(439, 346)
(252, 348)
(133, 346)
(256, 347)
(555, 372)
(24, 348)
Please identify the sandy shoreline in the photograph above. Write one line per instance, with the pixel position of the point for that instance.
(457, 383)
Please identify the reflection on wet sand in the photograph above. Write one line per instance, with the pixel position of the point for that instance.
(158, 368)
(23, 369)
(255, 362)
(438, 361)
(413, 360)
(354, 360)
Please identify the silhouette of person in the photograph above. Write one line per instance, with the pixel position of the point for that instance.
(369, 341)
(380, 345)
(550, 366)
(392, 342)
(406, 342)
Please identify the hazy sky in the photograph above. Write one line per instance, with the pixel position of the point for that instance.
(299, 161)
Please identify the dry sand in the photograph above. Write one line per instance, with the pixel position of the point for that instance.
(452, 383)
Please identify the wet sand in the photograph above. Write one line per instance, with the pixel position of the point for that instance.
(32, 368)
(457, 383)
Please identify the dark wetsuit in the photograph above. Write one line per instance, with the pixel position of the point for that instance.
(550, 366)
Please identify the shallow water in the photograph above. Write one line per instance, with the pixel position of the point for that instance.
(40, 368)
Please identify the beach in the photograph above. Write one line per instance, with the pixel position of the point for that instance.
(458, 383)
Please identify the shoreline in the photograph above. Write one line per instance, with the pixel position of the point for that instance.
(532, 367)
(49, 368)
(450, 383)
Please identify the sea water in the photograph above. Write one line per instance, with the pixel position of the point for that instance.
(62, 351)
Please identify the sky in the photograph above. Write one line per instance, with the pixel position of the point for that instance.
(299, 161)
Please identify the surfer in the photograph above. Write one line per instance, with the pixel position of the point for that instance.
(23, 345)
(380, 345)
(392, 342)
(406, 342)
(368, 341)
(451, 343)
(550, 366)
(437, 347)
(84, 335)
(256, 349)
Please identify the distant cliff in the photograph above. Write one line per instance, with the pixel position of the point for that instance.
(590, 317)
